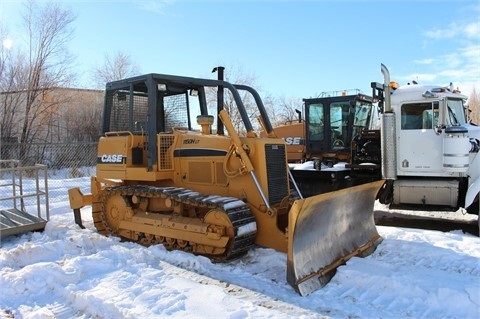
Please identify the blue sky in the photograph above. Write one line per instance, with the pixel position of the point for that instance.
(294, 49)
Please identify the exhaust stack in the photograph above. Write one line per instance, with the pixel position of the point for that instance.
(389, 160)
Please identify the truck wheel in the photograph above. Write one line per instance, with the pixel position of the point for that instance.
(475, 209)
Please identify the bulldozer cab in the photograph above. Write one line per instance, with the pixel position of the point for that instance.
(332, 122)
(129, 104)
(157, 103)
(151, 104)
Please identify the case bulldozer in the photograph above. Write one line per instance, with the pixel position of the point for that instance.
(160, 180)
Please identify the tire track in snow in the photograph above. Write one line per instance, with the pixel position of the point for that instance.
(256, 298)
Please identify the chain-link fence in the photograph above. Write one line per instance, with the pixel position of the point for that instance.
(64, 161)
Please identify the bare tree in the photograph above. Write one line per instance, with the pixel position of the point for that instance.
(285, 111)
(114, 68)
(474, 107)
(48, 30)
(83, 115)
(11, 80)
(3, 50)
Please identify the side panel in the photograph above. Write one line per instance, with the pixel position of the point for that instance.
(112, 156)
(198, 160)
(294, 136)
(122, 156)
(426, 192)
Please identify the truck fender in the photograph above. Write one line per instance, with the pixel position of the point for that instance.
(472, 192)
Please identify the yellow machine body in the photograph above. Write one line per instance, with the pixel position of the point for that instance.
(216, 194)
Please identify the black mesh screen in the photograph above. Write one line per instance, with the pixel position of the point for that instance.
(118, 114)
(276, 172)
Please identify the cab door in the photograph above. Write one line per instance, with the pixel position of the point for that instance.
(419, 147)
(316, 136)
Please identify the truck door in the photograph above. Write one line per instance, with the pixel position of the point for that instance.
(419, 148)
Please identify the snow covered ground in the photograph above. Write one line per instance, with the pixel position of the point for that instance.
(67, 272)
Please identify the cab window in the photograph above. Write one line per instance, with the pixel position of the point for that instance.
(418, 116)
(315, 124)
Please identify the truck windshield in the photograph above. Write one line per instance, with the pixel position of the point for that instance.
(455, 112)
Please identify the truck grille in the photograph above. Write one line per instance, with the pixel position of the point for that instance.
(276, 172)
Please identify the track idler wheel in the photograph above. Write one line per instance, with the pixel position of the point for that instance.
(114, 211)
(220, 225)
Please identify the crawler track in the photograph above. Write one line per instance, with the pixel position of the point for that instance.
(188, 207)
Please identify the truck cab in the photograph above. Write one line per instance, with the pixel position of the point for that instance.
(432, 134)
(430, 153)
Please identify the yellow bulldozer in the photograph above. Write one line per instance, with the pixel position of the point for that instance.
(160, 180)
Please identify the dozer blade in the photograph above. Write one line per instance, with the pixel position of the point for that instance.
(326, 230)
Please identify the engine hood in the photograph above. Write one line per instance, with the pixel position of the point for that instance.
(473, 131)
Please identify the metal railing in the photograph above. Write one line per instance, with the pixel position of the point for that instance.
(19, 193)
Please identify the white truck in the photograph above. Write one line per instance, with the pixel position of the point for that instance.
(430, 153)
